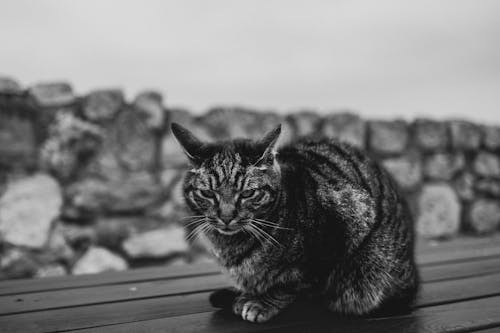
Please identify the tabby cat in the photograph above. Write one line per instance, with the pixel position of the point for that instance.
(317, 218)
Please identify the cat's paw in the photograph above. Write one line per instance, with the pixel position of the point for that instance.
(254, 310)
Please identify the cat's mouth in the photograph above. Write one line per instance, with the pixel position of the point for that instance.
(228, 231)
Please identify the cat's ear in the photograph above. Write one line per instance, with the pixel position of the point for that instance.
(189, 143)
(267, 145)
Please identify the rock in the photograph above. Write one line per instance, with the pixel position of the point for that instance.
(488, 187)
(443, 166)
(92, 197)
(484, 216)
(172, 154)
(157, 243)
(16, 263)
(151, 104)
(50, 270)
(27, 210)
(304, 122)
(229, 123)
(102, 105)
(52, 94)
(346, 127)
(98, 260)
(439, 211)
(406, 170)
(59, 247)
(9, 85)
(491, 137)
(79, 237)
(465, 135)
(388, 137)
(431, 135)
(70, 144)
(111, 231)
(464, 186)
(487, 165)
(18, 141)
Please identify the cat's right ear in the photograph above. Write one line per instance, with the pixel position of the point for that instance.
(189, 143)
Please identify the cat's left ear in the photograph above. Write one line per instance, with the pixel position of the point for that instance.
(267, 145)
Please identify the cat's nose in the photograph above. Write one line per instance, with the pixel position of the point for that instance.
(226, 213)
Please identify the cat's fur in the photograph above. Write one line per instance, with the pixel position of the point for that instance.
(332, 225)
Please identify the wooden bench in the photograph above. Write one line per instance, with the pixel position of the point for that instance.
(460, 293)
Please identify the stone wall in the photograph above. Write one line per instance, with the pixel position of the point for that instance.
(92, 183)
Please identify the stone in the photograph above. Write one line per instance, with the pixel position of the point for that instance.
(98, 260)
(388, 137)
(9, 85)
(16, 263)
(491, 137)
(431, 135)
(79, 237)
(487, 165)
(304, 122)
(27, 210)
(70, 143)
(51, 270)
(438, 211)
(236, 122)
(484, 216)
(156, 243)
(406, 170)
(464, 185)
(52, 94)
(346, 127)
(488, 187)
(18, 140)
(172, 154)
(465, 135)
(59, 247)
(151, 104)
(111, 231)
(93, 196)
(443, 166)
(102, 105)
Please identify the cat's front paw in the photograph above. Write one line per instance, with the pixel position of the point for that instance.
(253, 310)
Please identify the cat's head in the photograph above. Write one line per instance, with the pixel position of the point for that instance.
(230, 183)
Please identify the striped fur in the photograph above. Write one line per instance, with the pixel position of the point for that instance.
(332, 225)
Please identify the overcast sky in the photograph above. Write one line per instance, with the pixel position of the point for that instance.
(383, 58)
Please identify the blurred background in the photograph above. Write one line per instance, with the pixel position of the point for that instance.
(91, 177)
(384, 59)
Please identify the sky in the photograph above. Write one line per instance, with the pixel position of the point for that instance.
(383, 59)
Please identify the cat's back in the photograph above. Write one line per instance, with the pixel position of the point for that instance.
(332, 161)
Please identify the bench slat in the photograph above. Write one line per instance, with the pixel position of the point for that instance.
(130, 291)
(161, 307)
(456, 317)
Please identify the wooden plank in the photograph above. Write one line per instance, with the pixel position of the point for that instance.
(161, 307)
(455, 317)
(16, 287)
(459, 255)
(490, 330)
(427, 245)
(430, 253)
(131, 291)
(457, 270)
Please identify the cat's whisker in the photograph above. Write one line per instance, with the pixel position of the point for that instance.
(272, 225)
(195, 222)
(265, 235)
(254, 234)
(196, 231)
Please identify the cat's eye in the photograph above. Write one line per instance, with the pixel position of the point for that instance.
(207, 194)
(247, 194)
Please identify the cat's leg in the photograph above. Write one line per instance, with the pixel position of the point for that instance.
(261, 308)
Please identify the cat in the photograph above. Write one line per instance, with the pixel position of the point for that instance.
(316, 217)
